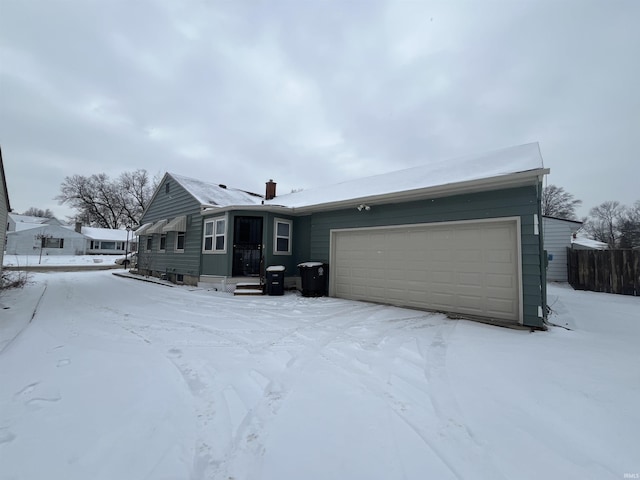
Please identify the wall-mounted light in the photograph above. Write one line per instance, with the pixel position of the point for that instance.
(362, 206)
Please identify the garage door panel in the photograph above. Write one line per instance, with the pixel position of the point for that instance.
(500, 256)
(500, 280)
(469, 268)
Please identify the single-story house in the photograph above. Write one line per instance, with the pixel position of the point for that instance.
(5, 208)
(52, 239)
(106, 241)
(460, 236)
(29, 234)
(557, 234)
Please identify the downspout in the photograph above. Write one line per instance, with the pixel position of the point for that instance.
(543, 257)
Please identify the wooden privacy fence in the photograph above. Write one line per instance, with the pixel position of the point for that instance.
(610, 271)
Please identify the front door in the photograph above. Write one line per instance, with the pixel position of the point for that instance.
(247, 246)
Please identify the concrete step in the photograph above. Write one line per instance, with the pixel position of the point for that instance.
(248, 291)
(248, 286)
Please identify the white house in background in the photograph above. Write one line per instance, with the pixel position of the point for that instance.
(582, 243)
(30, 234)
(558, 233)
(52, 239)
(107, 241)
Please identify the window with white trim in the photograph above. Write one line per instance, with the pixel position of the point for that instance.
(163, 242)
(49, 242)
(215, 235)
(149, 242)
(179, 246)
(282, 236)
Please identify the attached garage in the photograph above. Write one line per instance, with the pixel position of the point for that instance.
(471, 268)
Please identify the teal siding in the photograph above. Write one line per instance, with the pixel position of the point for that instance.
(222, 264)
(517, 202)
(168, 206)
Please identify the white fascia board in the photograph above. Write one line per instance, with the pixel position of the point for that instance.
(206, 211)
(500, 182)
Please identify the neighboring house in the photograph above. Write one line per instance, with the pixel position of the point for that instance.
(5, 208)
(29, 234)
(558, 233)
(52, 239)
(105, 241)
(460, 236)
(583, 243)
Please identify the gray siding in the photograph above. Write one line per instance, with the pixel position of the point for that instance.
(522, 202)
(557, 238)
(168, 206)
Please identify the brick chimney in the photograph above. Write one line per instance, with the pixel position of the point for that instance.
(79, 227)
(271, 190)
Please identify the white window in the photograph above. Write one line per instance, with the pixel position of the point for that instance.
(282, 237)
(163, 242)
(215, 234)
(48, 242)
(149, 242)
(179, 247)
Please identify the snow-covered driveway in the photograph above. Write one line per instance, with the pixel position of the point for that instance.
(120, 379)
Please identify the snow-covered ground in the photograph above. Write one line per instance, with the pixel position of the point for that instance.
(119, 379)
(57, 260)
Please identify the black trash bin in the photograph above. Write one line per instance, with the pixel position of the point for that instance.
(275, 280)
(314, 278)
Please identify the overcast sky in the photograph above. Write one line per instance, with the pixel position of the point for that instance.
(312, 92)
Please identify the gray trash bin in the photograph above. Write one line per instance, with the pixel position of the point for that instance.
(275, 280)
(314, 278)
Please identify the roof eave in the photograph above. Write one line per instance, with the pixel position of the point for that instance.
(210, 209)
(529, 177)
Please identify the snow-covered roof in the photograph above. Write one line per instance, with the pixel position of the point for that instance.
(28, 219)
(589, 243)
(20, 226)
(507, 161)
(212, 194)
(27, 222)
(95, 233)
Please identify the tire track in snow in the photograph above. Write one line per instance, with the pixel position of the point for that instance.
(446, 406)
(445, 420)
(399, 407)
(244, 459)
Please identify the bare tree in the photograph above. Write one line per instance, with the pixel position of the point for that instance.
(102, 202)
(603, 222)
(38, 212)
(136, 190)
(558, 203)
(630, 226)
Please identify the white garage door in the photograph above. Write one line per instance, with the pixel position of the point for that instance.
(469, 268)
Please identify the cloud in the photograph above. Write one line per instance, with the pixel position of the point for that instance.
(318, 92)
